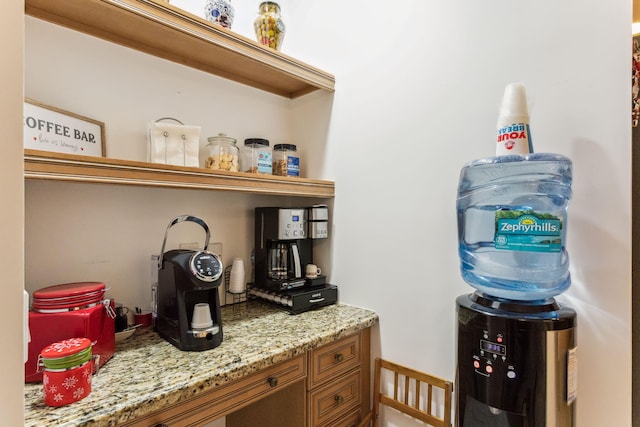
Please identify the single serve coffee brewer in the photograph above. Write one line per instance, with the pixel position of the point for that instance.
(186, 303)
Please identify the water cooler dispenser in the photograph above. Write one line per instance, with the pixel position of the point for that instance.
(516, 345)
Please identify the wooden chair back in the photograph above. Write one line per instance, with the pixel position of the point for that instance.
(407, 395)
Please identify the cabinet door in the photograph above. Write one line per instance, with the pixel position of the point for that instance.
(283, 409)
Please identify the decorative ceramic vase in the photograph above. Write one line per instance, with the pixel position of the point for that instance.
(220, 12)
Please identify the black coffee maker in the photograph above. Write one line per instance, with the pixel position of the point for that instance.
(282, 249)
(187, 305)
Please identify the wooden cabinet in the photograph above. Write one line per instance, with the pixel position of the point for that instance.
(228, 398)
(338, 396)
(338, 382)
(262, 375)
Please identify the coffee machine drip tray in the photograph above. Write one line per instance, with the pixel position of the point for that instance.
(298, 300)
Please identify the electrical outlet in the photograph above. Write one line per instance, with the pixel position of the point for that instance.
(216, 248)
(155, 259)
(194, 246)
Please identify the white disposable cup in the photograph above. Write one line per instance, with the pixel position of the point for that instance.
(201, 316)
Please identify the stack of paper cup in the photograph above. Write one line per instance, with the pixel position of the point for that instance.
(514, 133)
(237, 284)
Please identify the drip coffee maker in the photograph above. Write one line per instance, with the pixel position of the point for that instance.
(282, 248)
(187, 308)
(284, 251)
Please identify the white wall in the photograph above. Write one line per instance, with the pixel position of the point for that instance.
(417, 91)
(418, 88)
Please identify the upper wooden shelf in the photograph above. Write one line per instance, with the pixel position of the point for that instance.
(165, 31)
(67, 167)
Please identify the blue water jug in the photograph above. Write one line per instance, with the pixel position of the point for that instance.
(512, 225)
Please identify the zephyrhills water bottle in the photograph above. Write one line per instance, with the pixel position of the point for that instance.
(512, 225)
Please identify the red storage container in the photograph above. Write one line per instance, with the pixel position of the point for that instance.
(71, 310)
(67, 366)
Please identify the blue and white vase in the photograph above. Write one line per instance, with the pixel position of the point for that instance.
(220, 12)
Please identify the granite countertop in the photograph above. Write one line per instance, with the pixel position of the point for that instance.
(146, 372)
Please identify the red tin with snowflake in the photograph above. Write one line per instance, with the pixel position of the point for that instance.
(70, 310)
(68, 366)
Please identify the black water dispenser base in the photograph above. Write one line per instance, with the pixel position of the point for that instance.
(515, 363)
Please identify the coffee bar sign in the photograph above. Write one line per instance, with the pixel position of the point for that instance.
(52, 129)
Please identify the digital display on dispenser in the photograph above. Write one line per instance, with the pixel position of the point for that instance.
(295, 218)
(492, 347)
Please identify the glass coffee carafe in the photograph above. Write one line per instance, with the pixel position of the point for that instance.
(284, 261)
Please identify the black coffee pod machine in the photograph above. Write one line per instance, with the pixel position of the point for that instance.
(187, 305)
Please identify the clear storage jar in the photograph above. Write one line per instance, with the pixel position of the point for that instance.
(256, 156)
(269, 26)
(223, 153)
(285, 160)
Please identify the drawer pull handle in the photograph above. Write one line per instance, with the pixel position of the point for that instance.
(273, 381)
(162, 425)
(338, 399)
(339, 357)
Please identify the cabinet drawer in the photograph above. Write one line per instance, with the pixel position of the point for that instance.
(350, 420)
(332, 360)
(335, 399)
(227, 398)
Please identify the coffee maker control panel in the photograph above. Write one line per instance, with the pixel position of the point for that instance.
(292, 224)
(206, 266)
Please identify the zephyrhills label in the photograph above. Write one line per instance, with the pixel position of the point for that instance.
(528, 231)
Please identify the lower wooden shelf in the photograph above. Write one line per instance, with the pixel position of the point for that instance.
(46, 165)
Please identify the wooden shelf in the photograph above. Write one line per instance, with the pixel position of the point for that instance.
(67, 167)
(165, 31)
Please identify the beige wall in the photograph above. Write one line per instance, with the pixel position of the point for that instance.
(79, 232)
(11, 213)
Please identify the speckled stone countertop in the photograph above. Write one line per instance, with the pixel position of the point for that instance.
(147, 373)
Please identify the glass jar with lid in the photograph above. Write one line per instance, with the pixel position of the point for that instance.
(269, 26)
(285, 160)
(256, 157)
(223, 153)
